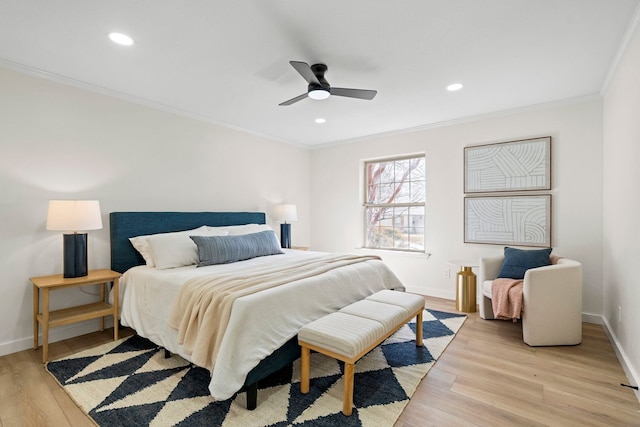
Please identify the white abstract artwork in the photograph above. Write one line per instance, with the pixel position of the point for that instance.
(513, 220)
(508, 166)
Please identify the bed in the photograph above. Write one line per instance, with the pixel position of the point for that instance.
(258, 340)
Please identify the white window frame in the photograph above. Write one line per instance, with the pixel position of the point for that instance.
(367, 205)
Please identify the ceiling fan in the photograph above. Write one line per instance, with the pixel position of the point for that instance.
(319, 87)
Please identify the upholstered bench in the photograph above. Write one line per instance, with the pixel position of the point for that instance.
(352, 332)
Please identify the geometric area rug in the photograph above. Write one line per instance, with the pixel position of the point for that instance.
(130, 383)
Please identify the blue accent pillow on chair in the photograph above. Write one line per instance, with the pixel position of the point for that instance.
(517, 261)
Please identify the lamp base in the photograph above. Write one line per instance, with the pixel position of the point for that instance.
(285, 235)
(75, 255)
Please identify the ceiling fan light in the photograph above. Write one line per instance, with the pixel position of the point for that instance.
(318, 94)
(121, 39)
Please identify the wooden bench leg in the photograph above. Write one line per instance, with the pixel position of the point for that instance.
(305, 366)
(419, 329)
(347, 401)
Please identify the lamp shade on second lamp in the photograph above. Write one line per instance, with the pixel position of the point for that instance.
(73, 216)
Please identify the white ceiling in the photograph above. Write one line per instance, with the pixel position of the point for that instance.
(227, 62)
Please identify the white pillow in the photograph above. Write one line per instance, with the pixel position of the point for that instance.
(171, 250)
(239, 230)
(142, 246)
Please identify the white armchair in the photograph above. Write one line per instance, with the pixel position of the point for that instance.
(552, 301)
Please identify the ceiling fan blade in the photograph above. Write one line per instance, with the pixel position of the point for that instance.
(354, 93)
(305, 71)
(294, 100)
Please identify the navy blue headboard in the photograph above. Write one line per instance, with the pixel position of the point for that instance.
(130, 224)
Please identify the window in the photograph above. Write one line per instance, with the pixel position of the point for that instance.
(395, 203)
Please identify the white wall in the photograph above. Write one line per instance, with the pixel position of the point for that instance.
(576, 131)
(622, 206)
(58, 141)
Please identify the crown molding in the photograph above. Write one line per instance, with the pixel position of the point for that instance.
(632, 30)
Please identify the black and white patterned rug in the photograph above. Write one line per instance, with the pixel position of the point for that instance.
(130, 383)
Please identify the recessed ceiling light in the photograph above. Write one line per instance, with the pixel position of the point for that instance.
(121, 39)
(320, 120)
(454, 87)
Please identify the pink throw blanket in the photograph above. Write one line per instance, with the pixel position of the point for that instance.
(506, 298)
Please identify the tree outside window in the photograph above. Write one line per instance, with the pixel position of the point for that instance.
(395, 204)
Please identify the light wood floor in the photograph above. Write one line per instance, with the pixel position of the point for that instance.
(486, 377)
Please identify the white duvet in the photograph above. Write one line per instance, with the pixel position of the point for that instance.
(259, 323)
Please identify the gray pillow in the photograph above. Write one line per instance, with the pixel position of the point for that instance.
(225, 249)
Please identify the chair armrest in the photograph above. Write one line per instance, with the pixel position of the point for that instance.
(561, 282)
(552, 310)
(489, 268)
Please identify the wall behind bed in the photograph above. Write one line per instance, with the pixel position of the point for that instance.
(59, 141)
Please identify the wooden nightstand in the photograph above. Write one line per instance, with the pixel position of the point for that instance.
(73, 314)
(300, 248)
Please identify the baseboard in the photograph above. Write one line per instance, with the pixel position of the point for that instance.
(55, 334)
(592, 318)
(628, 368)
(437, 293)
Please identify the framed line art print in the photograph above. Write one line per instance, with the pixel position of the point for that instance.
(508, 220)
(508, 166)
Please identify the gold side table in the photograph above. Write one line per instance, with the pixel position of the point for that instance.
(465, 286)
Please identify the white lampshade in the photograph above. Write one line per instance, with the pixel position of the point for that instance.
(285, 213)
(74, 215)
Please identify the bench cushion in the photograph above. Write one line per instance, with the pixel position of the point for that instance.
(388, 315)
(411, 302)
(356, 327)
(342, 333)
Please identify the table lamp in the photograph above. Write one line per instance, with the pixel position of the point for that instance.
(74, 216)
(285, 213)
